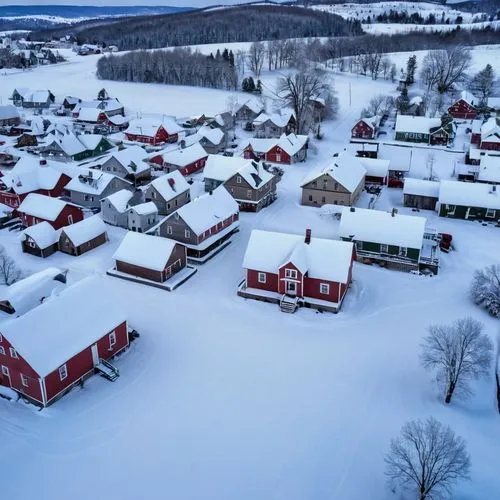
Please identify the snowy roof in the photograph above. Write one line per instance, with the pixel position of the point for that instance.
(490, 129)
(90, 181)
(43, 234)
(184, 156)
(206, 211)
(489, 169)
(330, 260)
(37, 96)
(144, 208)
(420, 187)
(467, 97)
(399, 157)
(171, 185)
(292, 143)
(119, 199)
(345, 169)
(222, 168)
(375, 167)
(89, 114)
(476, 126)
(416, 124)
(376, 226)
(494, 102)
(416, 101)
(8, 112)
(71, 100)
(118, 119)
(213, 135)
(44, 207)
(90, 141)
(85, 230)
(105, 105)
(144, 250)
(29, 292)
(22, 90)
(467, 194)
(149, 127)
(279, 119)
(94, 312)
(28, 176)
(133, 159)
(371, 121)
(253, 105)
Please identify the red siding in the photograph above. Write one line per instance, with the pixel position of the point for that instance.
(475, 139)
(193, 167)
(362, 131)
(270, 285)
(275, 152)
(61, 221)
(312, 289)
(491, 146)
(217, 228)
(161, 137)
(462, 110)
(282, 279)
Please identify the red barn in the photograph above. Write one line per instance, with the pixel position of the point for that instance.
(464, 107)
(45, 352)
(295, 271)
(366, 128)
(186, 160)
(38, 208)
(153, 132)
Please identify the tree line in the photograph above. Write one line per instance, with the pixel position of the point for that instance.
(180, 66)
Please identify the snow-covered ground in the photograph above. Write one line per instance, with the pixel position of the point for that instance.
(225, 398)
(393, 28)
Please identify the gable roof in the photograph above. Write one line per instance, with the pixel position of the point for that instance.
(37, 96)
(132, 159)
(85, 230)
(212, 135)
(222, 168)
(416, 124)
(148, 127)
(120, 199)
(94, 312)
(376, 226)
(469, 194)
(489, 169)
(92, 181)
(330, 260)
(279, 119)
(345, 169)
(370, 121)
(252, 105)
(171, 185)
(144, 208)
(44, 207)
(419, 187)
(144, 250)
(490, 130)
(467, 97)
(182, 157)
(43, 234)
(375, 167)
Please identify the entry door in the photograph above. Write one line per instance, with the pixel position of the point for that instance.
(6, 374)
(95, 355)
(291, 288)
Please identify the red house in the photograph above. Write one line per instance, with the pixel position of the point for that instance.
(464, 107)
(152, 131)
(366, 128)
(295, 271)
(38, 208)
(46, 351)
(30, 176)
(286, 150)
(186, 160)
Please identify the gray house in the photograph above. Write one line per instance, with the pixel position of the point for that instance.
(114, 208)
(248, 111)
(129, 164)
(168, 192)
(91, 186)
(142, 217)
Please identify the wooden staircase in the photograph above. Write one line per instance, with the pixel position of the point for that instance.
(288, 304)
(107, 370)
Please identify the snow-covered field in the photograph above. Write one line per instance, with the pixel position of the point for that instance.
(224, 398)
(393, 28)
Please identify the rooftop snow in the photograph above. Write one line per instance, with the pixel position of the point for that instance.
(489, 169)
(144, 250)
(467, 194)
(43, 234)
(149, 127)
(132, 155)
(171, 185)
(376, 226)
(85, 230)
(375, 167)
(94, 185)
(144, 208)
(182, 157)
(41, 206)
(416, 124)
(420, 187)
(119, 199)
(330, 260)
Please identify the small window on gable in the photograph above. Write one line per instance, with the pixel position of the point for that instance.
(63, 372)
(24, 380)
(2, 350)
(403, 251)
(13, 353)
(262, 277)
(169, 229)
(112, 339)
(238, 179)
(384, 248)
(187, 233)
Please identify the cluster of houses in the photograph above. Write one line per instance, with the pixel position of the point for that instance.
(25, 54)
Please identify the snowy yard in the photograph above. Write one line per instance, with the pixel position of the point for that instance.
(224, 398)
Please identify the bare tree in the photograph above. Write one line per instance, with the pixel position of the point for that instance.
(298, 90)
(485, 289)
(441, 69)
(459, 352)
(9, 272)
(378, 105)
(483, 84)
(256, 55)
(427, 459)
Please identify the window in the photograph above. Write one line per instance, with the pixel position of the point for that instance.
(112, 340)
(238, 179)
(336, 186)
(63, 372)
(323, 199)
(176, 202)
(278, 158)
(403, 251)
(384, 249)
(262, 277)
(187, 233)
(5, 371)
(153, 195)
(31, 243)
(70, 219)
(490, 212)
(324, 288)
(359, 245)
(310, 197)
(176, 215)
(13, 353)
(169, 229)
(290, 273)
(2, 350)
(451, 209)
(24, 380)
(249, 193)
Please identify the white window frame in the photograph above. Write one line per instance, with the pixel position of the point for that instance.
(63, 372)
(291, 273)
(238, 179)
(324, 286)
(450, 210)
(403, 251)
(490, 213)
(2, 350)
(169, 229)
(261, 278)
(70, 219)
(112, 339)
(13, 353)
(5, 371)
(384, 248)
(187, 233)
(278, 158)
(24, 380)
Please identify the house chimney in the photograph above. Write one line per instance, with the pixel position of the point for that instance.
(307, 239)
(394, 212)
(43, 162)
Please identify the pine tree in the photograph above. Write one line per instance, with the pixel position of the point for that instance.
(225, 55)
(482, 84)
(251, 84)
(244, 85)
(411, 66)
(258, 89)
(231, 59)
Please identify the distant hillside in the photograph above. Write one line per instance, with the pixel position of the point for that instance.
(223, 25)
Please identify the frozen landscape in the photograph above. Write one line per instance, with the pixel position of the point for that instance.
(223, 397)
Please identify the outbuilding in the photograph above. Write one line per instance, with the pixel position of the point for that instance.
(40, 240)
(83, 236)
(420, 194)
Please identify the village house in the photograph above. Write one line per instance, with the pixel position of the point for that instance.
(168, 192)
(40, 240)
(18, 95)
(274, 125)
(129, 163)
(37, 208)
(469, 201)
(40, 99)
(224, 121)
(213, 140)
(146, 258)
(293, 271)
(187, 160)
(83, 236)
(44, 364)
(70, 103)
(341, 182)
(9, 115)
(420, 194)
(26, 140)
(377, 171)
(248, 111)
(204, 226)
(97, 111)
(366, 128)
(464, 107)
(91, 186)
(28, 293)
(423, 130)
(151, 131)
(114, 208)
(486, 135)
(489, 170)
(142, 217)
(286, 150)
(249, 183)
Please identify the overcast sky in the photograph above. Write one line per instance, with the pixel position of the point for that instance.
(177, 3)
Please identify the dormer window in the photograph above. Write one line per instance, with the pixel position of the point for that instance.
(238, 179)
(291, 273)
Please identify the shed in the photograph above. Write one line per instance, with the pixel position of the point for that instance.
(83, 236)
(40, 240)
(420, 194)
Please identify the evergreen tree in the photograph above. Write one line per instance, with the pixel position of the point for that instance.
(251, 84)
(244, 85)
(258, 89)
(411, 66)
(218, 56)
(231, 58)
(225, 55)
(483, 83)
